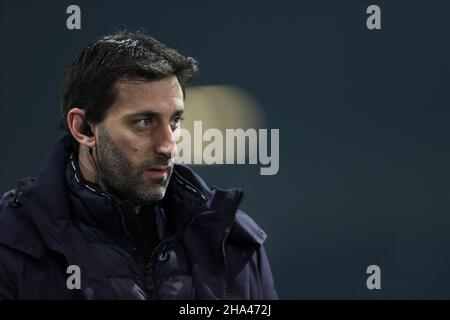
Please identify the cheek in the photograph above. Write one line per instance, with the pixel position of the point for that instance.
(138, 149)
(135, 147)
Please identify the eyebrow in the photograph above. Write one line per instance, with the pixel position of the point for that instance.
(152, 114)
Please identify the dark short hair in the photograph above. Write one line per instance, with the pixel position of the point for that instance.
(89, 81)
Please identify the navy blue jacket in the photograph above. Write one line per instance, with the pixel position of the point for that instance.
(210, 250)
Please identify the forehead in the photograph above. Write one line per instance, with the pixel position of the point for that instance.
(163, 96)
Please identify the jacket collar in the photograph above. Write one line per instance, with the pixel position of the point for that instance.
(221, 210)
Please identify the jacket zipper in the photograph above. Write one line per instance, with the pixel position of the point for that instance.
(225, 279)
(148, 269)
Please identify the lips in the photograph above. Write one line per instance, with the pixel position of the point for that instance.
(158, 172)
(159, 168)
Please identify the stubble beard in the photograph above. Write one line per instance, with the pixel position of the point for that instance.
(122, 178)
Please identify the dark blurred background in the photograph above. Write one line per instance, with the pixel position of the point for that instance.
(363, 118)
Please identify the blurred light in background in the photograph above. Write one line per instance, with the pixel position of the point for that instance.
(221, 107)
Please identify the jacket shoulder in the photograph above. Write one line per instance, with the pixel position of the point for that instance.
(17, 231)
(12, 196)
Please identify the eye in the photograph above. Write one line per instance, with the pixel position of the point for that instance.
(175, 122)
(143, 124)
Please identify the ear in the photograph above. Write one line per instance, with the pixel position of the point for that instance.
(75, 119)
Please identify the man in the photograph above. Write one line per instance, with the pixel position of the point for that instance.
(110, 216)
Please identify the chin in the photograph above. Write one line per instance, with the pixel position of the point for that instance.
(156, 195)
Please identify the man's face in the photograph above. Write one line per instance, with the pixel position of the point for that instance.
(136, 142)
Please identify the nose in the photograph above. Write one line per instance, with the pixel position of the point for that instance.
(165, 142)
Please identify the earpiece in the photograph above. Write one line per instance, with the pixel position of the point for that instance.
(86, 129)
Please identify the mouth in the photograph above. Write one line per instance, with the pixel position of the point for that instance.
(160, 172)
